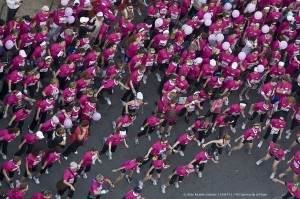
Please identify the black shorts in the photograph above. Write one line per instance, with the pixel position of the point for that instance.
(164, 123)
(276, 158)
(157, 171)
(297, 141)
(247, 141)
(174, 178)
(123, 171)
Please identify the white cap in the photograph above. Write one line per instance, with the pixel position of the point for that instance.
(122, 133)
(84, 19)
(281, 63)
(22, 53)
(48, 57)
(229, 49)
(166, 32)
(266, 8)
(45, 8)
(198, 60)
(99, 14)
(255, 69)
(43, 43)
(1, 43)
(297, 40)
(76, 1)
(243, 104)
(212, 62)
(234, 65)
(40, 134)
(73, 165)
(290, 18)
(139, 95)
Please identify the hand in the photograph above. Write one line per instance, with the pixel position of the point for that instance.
(5, 115)
(126, 146)
(146, 157)
(279, 138)
(25, 91)
(72, 188)
(28, 173)
(114, 170)
(236, 140)
(37, 118)
(264, 128)
(203, 145)
(8, 180)
(99, 161)
(275, 180)
(9, 91)
(134, 92)
(288, 162)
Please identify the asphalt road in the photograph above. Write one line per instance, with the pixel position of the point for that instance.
(233, 177)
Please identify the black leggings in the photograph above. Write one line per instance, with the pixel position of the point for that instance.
(268, 132)
(10, 175)
(86, 169)
(130, 94)
(90, 196)
(72, 147)
(253, 116)
(4, 146)
(25, 148)
(70, 192)
(181, 146)
(174, 178)
(201, 166)
(213, 147)
(288, 195)
(148, 129)
(202, 135)
(105, 148)
(294, 124)
(235, 119)
(34, 122)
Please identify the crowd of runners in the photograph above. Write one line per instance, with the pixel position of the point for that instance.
(59, 67)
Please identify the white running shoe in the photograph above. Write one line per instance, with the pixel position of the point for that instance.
(138, 170)
(139, 11)
(259, 162)
(176, 185)
(158, 77)
(153, 181)
(149, 138)
(200, 174)
(181, 153)
(288, 132)
(141, 184)
(76, 152)
(65, 157)
(47, 171)
(243, 125)
(287, 151)
(57, 196)
(260, 144)
(36, 180)
(84, 175)
(273, 175)
(136, 140)
(288, 136)
(107, 100)
(241, 97)
(114, 124)
(233, 130)
(145, 79)
(18, 183)
(247, 96)
(163, 188)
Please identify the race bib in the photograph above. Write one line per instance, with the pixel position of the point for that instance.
(296, 165)
(43, 70)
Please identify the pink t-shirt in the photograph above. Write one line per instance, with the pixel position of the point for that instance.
(114, 139)
(69, 176)
(158, 148)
